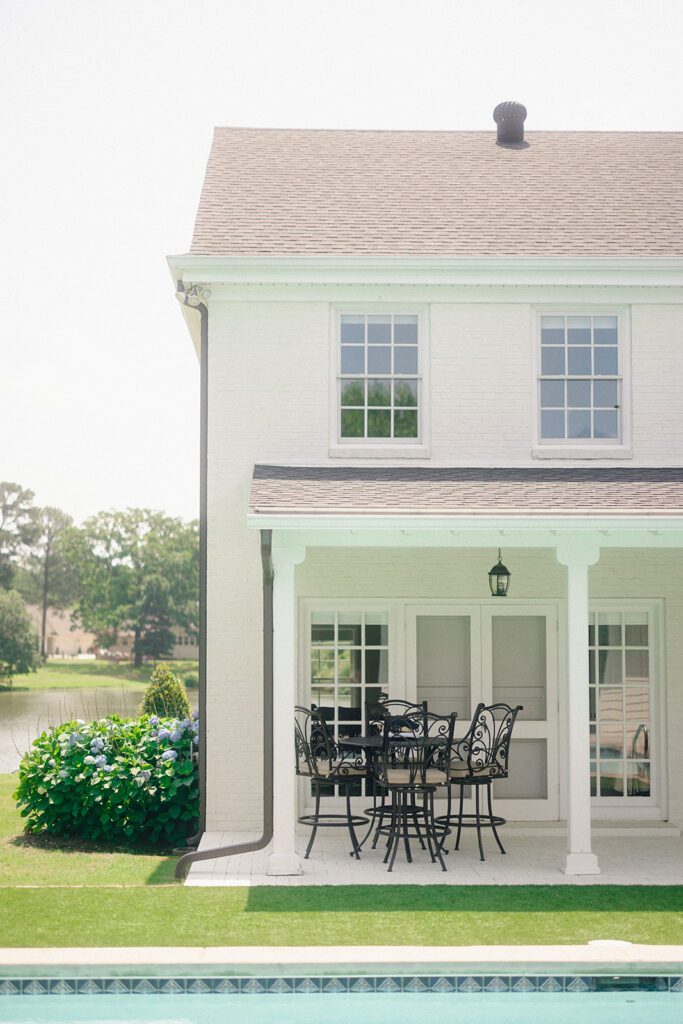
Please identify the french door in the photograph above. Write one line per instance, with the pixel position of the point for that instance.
(460, 654)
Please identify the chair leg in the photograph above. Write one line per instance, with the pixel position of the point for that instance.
(352, 832)
(478, 821)
(316, 815)
(491, 819)
(460, 806)
(392, 846)
(438, 842)
(405, 798)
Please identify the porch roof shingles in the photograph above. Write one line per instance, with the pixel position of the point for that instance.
(273, 192)
(332, 490)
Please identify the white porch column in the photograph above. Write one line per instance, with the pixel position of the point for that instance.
(283, 859)
(578, 553)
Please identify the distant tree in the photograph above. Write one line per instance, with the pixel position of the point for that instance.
(17, 528)
(137, 571)
(18, 639)
(47, 577)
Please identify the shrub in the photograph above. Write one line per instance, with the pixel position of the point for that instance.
(191, 680)
(165, 695)
(117, 780)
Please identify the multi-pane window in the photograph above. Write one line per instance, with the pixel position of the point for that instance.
(349, 666)
(580, 381)
(621, 716)
(379, 380)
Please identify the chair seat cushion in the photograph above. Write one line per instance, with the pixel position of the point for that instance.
(476, 773)
(406, 777)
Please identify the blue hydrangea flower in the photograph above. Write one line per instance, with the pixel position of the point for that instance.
(108, 767)
(176, 735)
(185, 723)
(163, 734)
(154, 720)
(195, 715)
(100, 760)
(97, 744)
(74, 738)
(89, 759)
(169, 755)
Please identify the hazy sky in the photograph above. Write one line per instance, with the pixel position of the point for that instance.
(106, 116)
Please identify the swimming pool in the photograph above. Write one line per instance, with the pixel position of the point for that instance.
(455, 1007)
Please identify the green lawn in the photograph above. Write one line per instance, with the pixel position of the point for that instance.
(57, 894)
(71, 673)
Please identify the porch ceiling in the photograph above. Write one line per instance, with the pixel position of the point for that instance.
(619, 507)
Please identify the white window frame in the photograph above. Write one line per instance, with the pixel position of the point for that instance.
(587, 448)
(380, 448)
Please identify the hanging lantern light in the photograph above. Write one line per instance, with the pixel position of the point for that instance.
(499, 578)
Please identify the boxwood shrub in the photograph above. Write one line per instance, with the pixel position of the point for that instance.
(115, 780)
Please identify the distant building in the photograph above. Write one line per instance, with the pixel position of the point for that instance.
(64, 638)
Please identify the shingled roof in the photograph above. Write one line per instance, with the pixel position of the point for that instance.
(271, 192)
(299, 490)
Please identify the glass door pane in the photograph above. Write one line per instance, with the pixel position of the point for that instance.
(444, 664)
(620, 705)
(519, 659)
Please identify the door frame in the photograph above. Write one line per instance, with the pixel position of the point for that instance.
(481, 614)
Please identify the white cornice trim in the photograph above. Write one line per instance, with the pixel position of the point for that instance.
(217, 270)
(659, 528)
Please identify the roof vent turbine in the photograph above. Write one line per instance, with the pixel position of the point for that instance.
(509, 117)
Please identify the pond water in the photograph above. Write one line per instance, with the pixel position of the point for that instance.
(24, 714)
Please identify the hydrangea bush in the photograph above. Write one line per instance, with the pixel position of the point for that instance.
(113, 780)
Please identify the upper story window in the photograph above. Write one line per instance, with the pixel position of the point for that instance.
(379, 383)
(581, 383)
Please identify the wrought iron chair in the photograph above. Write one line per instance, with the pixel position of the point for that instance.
(319, 760)
(412, 768)
(479, 759)
(404, 717)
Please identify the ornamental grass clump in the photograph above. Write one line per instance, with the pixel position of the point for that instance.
(165, 695)
(115, 780)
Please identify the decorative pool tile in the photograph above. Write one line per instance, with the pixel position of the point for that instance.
(389, 985)
(223, 986)
(362, 984)
(523, 984)
(62, 987)
(577, 985)
(248, 985)
(308, 985)
(442, 984)
(469, 984)
(335, 985)
(550, 984)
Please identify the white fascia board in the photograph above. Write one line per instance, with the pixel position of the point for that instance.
(658, 531)
(632, 271)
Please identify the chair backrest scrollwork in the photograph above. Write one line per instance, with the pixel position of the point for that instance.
(486, 746)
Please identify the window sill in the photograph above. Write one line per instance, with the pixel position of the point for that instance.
(581, 452)
(379, 451)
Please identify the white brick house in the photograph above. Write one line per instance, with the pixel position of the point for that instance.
(418, 348)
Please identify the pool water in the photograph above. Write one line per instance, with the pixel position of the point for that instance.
(621, 1007)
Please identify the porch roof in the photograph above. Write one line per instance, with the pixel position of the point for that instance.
(445, 491)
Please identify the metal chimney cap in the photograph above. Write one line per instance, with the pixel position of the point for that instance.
(510, 117)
